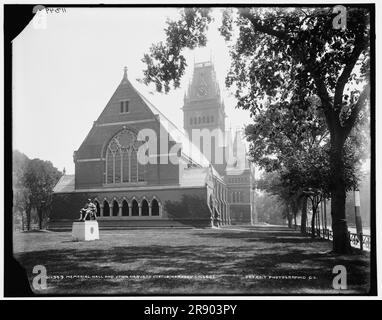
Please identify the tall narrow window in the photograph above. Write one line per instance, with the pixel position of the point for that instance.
(154, 208)
(135, 208)
(115, 208)
(106, 209)
(125, 208)
(145, 208)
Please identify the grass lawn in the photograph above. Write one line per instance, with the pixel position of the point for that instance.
(231, 260)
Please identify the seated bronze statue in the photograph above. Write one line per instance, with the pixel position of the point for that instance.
(88, 212)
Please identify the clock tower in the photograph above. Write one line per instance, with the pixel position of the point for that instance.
(204, 108)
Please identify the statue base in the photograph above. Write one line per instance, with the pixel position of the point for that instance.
(85, 230)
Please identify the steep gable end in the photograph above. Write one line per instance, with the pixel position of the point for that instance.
(125, 104)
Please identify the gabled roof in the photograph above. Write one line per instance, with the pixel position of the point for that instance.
(189, 150)
(194, 177)
(65, 184)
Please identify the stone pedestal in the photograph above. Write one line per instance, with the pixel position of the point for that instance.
(85, 230)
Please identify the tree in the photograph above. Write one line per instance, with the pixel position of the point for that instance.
(269, 208)
(39, 178)
(21, 205)
(274, 52)
(272, 183)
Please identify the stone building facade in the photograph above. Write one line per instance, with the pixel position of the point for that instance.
(175, 186)
(182, 180)
(204, 109)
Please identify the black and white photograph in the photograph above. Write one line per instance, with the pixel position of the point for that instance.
(191, 150)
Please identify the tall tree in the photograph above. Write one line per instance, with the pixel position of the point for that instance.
(275, 51)
(39, 179)
(272, 183)
(21, 205)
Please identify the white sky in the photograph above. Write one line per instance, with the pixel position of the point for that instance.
(65, 74)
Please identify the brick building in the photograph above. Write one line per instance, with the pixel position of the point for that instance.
(204, 109)
(175, 185)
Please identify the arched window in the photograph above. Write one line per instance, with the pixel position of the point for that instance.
(125, 208)
(115, 208)
(145, 208)
(154, 207)
(212, 118)
(106, 209)
(204, 119)
(200, 120)
(122, 165)
(98, 208)
(135, 208)
(208, 119)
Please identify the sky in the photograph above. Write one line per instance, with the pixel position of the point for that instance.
(66, 69)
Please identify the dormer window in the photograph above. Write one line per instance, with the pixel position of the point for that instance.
(124, 106)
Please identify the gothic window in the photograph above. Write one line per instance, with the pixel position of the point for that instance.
(145, 208)
(115, 208)
(122, 165)
(135, 208)
(106, 209)
(125, 208)
(154, 208)
(98, 208)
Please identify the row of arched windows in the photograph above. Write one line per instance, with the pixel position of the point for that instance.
(238, 180)
(199, 120)
(133, 208)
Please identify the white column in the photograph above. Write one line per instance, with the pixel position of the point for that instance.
(130, 151)
(121, 153)
(113, 167)
(137, 168)
(106, 167)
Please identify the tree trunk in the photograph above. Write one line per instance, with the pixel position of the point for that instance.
(290, 220)
(28, 216)
(304, 215)
(40, 218)
(313, 234)
(341, 240)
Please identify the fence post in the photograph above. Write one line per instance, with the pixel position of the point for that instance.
(326, 227)
(358, 219)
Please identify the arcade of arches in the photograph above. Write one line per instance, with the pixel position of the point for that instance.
(128, 208)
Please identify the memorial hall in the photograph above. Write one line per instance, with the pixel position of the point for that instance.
(140, 170)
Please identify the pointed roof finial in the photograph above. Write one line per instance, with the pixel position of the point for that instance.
(125, 72)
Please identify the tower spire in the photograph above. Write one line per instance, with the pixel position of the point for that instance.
(125, 73)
